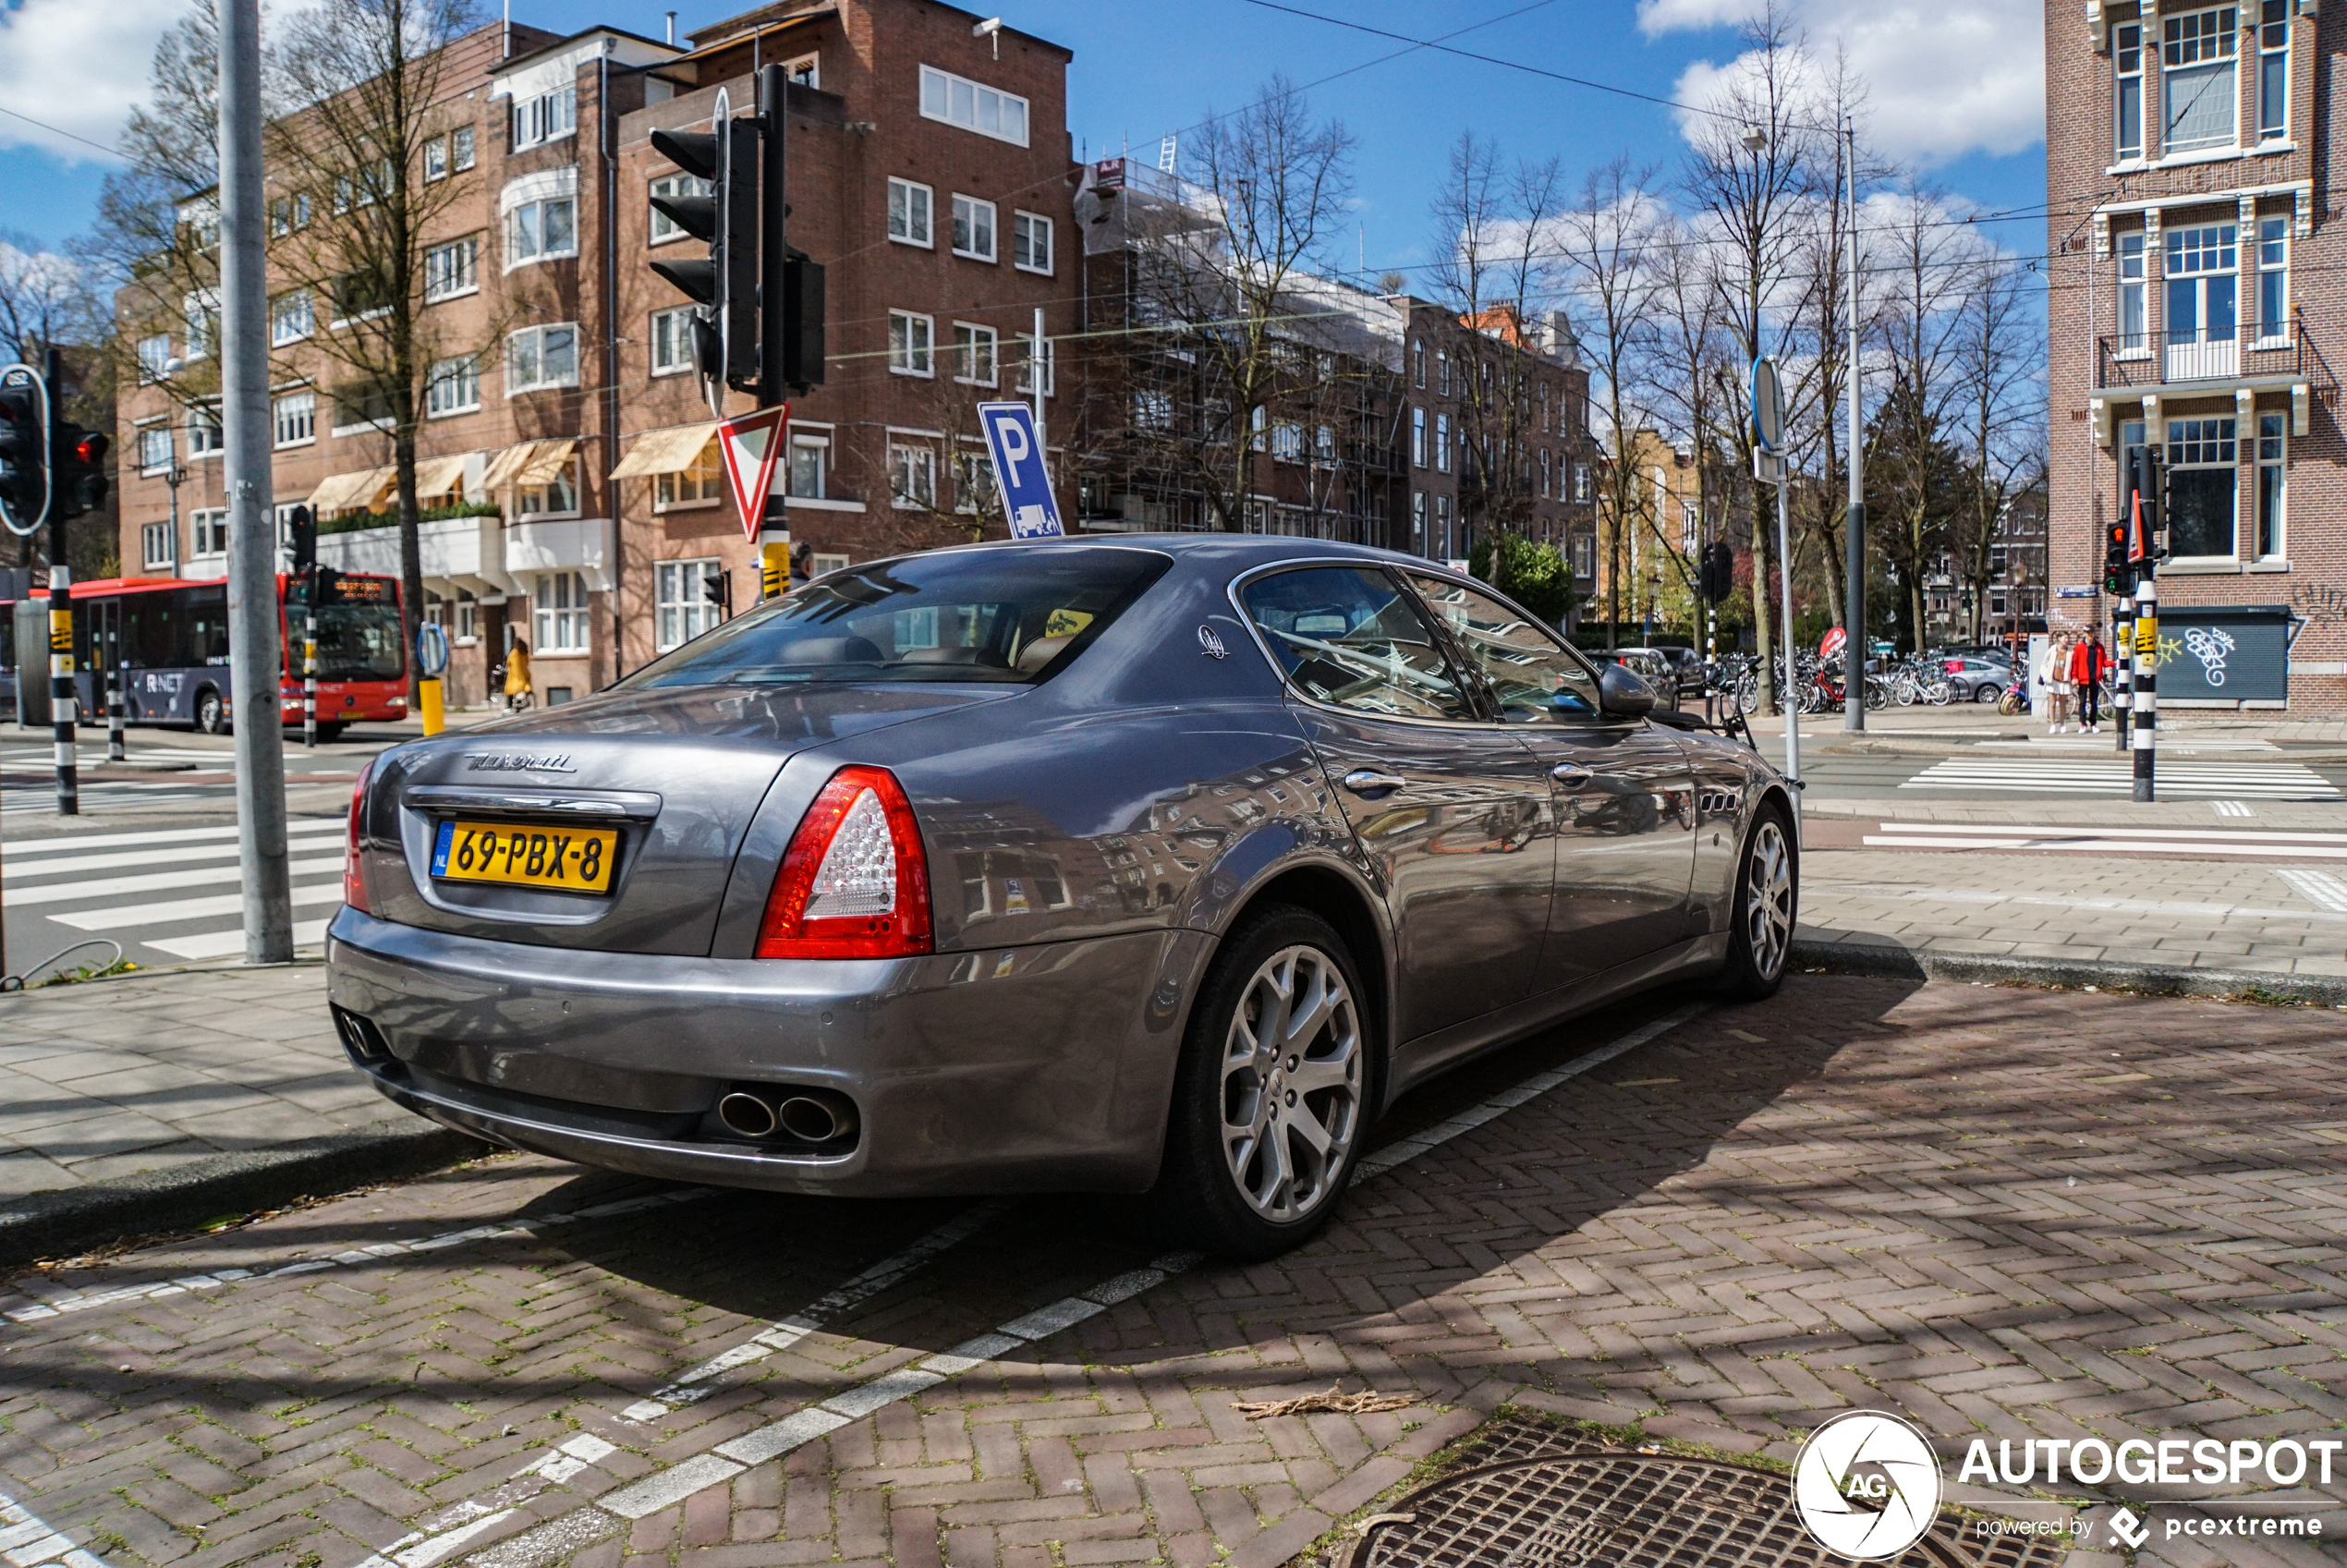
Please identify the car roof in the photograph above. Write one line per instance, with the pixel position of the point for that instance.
(1238, 550)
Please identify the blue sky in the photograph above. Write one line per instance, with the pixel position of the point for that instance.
(1954, 85)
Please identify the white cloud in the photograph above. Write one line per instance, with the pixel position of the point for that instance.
(78, 67)
(1943, 80)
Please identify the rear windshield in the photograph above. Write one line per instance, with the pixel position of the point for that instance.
(1011, 615)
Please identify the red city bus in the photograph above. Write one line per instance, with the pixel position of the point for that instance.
(169, 639)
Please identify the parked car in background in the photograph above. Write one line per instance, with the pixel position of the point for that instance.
(1649, 665)
(1977, 679)
(1157, 866)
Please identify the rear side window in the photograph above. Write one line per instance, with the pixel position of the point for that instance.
(1014, 616)
(1530, 677)
(1353, 638)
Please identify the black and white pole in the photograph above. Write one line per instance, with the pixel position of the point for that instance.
(309, 666)
(2145, 648)
(114, 752)
(2123, 667)
(63, 701)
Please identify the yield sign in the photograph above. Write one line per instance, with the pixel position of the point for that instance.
(749, 446)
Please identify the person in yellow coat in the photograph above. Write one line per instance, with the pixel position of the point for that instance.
(519, 694)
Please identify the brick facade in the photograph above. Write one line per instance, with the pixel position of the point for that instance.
(2193, 292)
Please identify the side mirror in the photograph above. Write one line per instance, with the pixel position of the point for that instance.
(1622, 693)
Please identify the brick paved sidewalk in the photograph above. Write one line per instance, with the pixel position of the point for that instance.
(146, 1072)
(2006, 1213)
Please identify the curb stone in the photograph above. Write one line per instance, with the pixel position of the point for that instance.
(68, 1220)
(1892, 960)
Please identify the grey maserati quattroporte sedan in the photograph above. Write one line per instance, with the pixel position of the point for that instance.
(1157, 864)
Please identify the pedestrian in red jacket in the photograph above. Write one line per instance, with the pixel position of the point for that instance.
(2089, 662)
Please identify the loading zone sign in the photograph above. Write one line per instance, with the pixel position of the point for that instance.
(1020, 469)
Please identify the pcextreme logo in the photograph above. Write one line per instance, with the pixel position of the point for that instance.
(1865, 1486)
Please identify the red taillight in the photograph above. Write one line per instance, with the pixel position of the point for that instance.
(354, 885)
(854, 881)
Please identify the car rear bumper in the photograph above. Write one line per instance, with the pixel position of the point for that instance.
(1011, 1069)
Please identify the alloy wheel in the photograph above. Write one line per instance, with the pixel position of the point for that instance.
(1768, 899)
(1291, 1084)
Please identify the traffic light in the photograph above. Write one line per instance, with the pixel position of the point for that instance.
(2117, 578)
(303, 526)
(1716, 572)
(725, 283)
(802, 320)
(718, 589)
(2146, 516)
(82, 482)
(24, 450)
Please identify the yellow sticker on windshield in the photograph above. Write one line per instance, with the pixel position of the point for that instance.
(1066, 623)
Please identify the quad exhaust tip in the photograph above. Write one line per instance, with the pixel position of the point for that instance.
(807, 1116)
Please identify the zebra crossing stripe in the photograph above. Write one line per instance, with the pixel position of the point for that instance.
(2279, 780)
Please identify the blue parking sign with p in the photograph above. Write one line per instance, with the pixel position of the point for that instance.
(1021, 471)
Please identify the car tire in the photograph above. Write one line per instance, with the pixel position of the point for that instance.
(1762, 919)
(1987, 692)
(211, 713)
(1266, 1125)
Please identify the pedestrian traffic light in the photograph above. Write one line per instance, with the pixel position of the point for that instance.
(1716, 573)
(725, 283)
(24, 450)
(82, 482)
(2118, 576)
(802, 322)
(303, 526)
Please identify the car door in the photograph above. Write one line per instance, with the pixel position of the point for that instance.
(1624, 795)
(1450, 811)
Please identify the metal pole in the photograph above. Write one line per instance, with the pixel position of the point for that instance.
(256, 633)
(773, 247)
(1853, 593)
(63, 699)
(1035, 386)
(114, 752)
(310, 667)
(1791, 696)
(2146, 694)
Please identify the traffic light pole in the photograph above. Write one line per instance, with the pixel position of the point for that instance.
(2146, 641)
(1853, 656)
(774, 222)
(63, 699)
(2123, 667)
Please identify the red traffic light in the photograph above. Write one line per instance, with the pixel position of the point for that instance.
(91, 449)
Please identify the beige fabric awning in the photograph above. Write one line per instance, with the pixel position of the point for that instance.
(439, 476)
(528, 463)
(669, 451)
(340, 493)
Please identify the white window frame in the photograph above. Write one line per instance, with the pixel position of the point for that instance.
(2198, 46)
(154, 357)
(1417, 434)
(660, 227)
(669, 341)
(2127, 91)
(295, 412)
(558, 613)
(967, 209)
(461, 374)
(205, 436)
(156, 547)
(525, 222)
(681, 610)
(293, 316)
(971, 342)
(804, 70)
(147, 464)
(690, 489)
(2135, 343)
(536, 503)
(908, 356)
(819, 450)
(1441, 444)
(545, 116)
(2272, 456)
(460, 149)
(435, 160)
(975, 485)
(456, 277)
(2272, 241)
(2273, 69)
(1025, 380)
(201, 310)
(527, 345)
(2212, 430)
(973, 106)
(919, 464)
(208, 532)
(904, 197)
(1025, 229)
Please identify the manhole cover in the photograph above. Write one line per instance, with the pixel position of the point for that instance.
(1574, 1503)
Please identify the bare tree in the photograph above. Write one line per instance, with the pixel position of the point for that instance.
(1998, 363)
(45, 301)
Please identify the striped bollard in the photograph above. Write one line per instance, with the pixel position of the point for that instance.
(2123, 643)
(2146, 693)
(310, 675)
(64, 703)
(114, 752)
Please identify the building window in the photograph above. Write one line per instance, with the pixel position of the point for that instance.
(204, 439)
(974, 354)
(701, 485)
(287, 214)
(805, 71)
(911, 339)
(664, 228)
(683, 593)
(541, 356)
(2127, 67)
(539, 231)
(2131, 295)
(1153, 410)
(1581, 482)
(558, 497)
(810, 457)
(1287, 441)
(436, 159)
(559, 604)
(291, 317)
(2273, 279)
(361, 406)
(1417, 363)
(460, 152)
(1544, 472)
(2196, 86)
(2203, 284)
(154, 357)
(974, 488)
(909, 212)
(1417, 438)
(459, 617)
(154, 546)
(201, 310)
(208, 530)
(912, 475)
(1442, 372)
(973, 228)
(2201, 487)
(1030, 242)
(1584, 555)
(1417, 521)
(1443, 443)
(545, 117)
(454, 386)
(2273, 70)
(1257, 436)
(960, 102)
(1442, 528)
(453, 269)
(1025, 383)
(154, 448)
(294, 418)
(671, 341)
(2271, 460)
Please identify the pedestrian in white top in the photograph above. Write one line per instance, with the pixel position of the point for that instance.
(2057, 678)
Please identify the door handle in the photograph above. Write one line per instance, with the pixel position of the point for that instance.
(1571, 775)
(1370, 782)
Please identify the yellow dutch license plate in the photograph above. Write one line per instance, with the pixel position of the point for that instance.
(574, 859)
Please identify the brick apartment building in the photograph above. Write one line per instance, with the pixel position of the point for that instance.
(572, 491)
(1666, 487)
(2195, 304)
